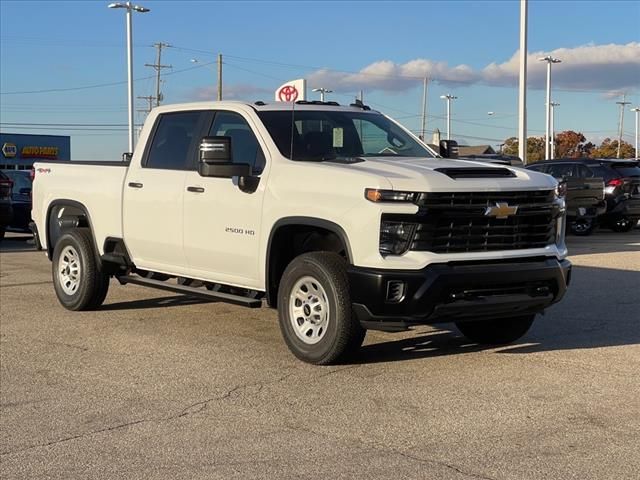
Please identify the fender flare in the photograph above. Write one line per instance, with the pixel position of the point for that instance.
(67, 203)
(304, 221)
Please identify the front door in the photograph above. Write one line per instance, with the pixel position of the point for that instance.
(221, 222)
(154, 193)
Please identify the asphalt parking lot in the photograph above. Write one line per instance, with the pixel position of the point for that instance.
(160, 386)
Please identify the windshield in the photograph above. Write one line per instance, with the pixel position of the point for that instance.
(326, 135)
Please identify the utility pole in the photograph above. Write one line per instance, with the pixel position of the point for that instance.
(636, 110)
(549, 59)
(150, 99)
(522, 90)
(219, 76)
(448, 98)
(621, 125)
(553, 129)
(424, 109)
(158, 68)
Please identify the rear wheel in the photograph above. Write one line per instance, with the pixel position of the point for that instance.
(314, 309)
(2, 230)
(496, 332)
(78, 279)
(582, 226)
(623, 224)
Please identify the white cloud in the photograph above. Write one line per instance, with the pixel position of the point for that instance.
(609, 67)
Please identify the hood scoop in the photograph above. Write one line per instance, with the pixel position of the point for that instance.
(476, 172)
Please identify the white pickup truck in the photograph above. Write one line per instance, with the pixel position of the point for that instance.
(335, 215)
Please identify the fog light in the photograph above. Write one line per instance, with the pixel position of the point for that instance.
(396, 291)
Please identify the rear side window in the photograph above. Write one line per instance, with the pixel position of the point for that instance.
(173, 142)
(244, 144)
(538, 168)
(584, 172)
(625, 170)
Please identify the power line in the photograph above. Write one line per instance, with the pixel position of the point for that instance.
(100, 85)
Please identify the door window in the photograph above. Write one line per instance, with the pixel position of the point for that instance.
(561, 170)
(244, 144)
(174, 140)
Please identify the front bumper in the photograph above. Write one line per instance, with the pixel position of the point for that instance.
(458, 291)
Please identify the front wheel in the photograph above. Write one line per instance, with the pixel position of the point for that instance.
(496, 332)
(78, 279)
(314, 309)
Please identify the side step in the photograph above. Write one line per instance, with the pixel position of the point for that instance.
(194, 292)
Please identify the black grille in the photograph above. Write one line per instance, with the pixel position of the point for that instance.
(456, 222)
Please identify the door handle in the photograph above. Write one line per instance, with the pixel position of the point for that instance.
(195, 189)
(135, 185)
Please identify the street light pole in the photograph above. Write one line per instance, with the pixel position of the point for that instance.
(549, 59)
(448, 98)
(322, 91)
(522, 84)
(553, 128)
(636, 110)
(130, 8)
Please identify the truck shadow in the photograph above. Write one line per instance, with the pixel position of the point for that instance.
(600, 309)
(160, 302)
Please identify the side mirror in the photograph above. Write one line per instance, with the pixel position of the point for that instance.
(449, 148)
(215, 159)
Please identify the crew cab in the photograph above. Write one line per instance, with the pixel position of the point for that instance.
(337, 216)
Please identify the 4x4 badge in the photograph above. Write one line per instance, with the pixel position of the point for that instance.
(500, 210)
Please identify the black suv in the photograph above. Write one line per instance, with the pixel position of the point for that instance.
(621, 181)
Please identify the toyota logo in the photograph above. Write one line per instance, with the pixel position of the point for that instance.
(288, 93)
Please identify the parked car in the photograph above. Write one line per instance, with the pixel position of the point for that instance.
(585, 197)
(621, 186)
(337, 216)
(6, 209)
(20, 198)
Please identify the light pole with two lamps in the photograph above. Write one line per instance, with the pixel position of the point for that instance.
(549, 59)
(448, 98)
(130, 9)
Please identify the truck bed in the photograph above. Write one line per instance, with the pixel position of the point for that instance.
(95, 185)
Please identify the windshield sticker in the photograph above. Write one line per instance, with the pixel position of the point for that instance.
(338, 138)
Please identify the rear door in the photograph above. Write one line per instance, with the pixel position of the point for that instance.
(153, 193)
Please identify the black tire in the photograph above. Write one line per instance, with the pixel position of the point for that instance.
(623, 224)
(343, 334)
(91, 283)
(2, 230)
(496, 332)
(582, 227)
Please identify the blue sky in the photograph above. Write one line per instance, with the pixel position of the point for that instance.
(72, 45)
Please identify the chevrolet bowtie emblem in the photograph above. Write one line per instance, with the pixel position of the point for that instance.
(500, 210)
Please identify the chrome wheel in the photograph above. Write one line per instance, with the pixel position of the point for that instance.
(309, 310)
(69, 270)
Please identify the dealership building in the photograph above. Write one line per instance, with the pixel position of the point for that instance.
(20, 151)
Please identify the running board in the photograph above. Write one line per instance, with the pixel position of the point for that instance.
(191, 291)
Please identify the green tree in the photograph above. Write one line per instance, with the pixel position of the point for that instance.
(535, 148)
(570, 144)
(609, 149)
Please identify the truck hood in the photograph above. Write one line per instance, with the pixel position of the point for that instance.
(420, 174)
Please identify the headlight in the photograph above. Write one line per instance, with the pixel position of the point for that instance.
(375, 195)
(396, 237)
